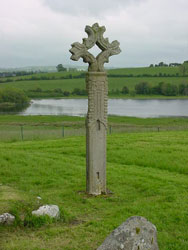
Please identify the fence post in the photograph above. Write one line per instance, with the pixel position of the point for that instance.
(158, 129)
(63, 131)
(110, 129)
(22, 136)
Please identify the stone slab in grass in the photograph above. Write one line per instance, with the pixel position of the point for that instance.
(6, 219)
(50, 210)
(136, 233)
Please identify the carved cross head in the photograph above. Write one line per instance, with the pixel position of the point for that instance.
(95, 37)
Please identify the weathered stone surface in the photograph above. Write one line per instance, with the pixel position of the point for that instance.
(136, 233)
(95, 36)
(50, 210)
(96, 128)
(7, 218)
(97, 88)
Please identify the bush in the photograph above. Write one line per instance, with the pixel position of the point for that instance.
(125, 90)
(58, 91)
(78, 91)
(168, 89)
(12, 99)
(156, 90)
(143, 88)
(12, 95)
(66, 93)
(183, 89)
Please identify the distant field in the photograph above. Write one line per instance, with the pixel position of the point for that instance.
(55, 75)
(117, 79)
(64, 84)
(122, 71)
(70, 84)
(145, 70)
(130, 82)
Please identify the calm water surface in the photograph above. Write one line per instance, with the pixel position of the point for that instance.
(120, 107)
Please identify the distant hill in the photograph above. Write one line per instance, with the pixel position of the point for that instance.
(111, 71)
(40, 68)
(30, 68)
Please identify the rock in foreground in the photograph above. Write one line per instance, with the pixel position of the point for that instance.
(6, 218)
(136, 233)
(50, 210)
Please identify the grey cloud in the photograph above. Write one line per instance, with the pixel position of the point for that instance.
(87, 7)
(149, 31)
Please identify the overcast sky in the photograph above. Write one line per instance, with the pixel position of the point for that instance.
(40, 32)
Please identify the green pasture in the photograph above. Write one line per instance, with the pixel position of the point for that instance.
(64, 84)
(39, 120)
(145, 70)
(79, 121)
(117, 79)
(71, 84)
(55, 75)
(15, 128)
(147, 173)
(120, 71)
(130, 82)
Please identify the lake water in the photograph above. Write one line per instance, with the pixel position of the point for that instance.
(120, 107)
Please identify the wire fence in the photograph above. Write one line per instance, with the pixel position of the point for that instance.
(10, 133)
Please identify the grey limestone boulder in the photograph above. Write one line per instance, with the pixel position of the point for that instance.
(136, 233)
(6, 218)
(50, 210)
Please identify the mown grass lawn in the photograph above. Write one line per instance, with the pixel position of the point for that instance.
(147, 173)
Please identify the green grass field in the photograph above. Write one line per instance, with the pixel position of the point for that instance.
(147, 173)
(76, 120)
(121, 71)
(115, 83)
(130, 82)
(70, 84)
(145, 70)
(55, 75)
(15, 128)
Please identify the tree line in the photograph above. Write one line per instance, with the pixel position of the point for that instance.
(162, 64)
(12, 99)
(17, 73)
(58, 92)
(82, 75)
(183, 67)
(142, 88)
(166, 89)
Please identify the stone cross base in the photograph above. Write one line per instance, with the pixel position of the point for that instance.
(96, 128)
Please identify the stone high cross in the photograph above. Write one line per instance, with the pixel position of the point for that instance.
(96, 120)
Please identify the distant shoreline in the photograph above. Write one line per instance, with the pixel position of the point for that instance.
(137, 97)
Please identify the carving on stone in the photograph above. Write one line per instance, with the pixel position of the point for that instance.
(97, 89)
(98, 101)
(95, 36)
